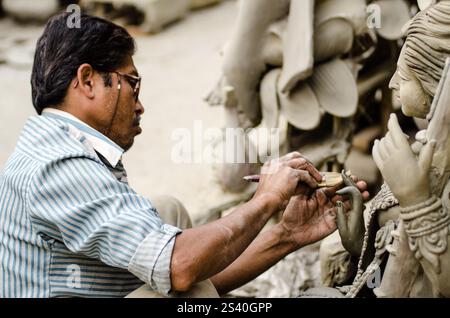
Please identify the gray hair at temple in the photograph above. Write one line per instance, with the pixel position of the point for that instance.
(427, 45)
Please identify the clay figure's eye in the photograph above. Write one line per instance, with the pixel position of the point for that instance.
(402, 77)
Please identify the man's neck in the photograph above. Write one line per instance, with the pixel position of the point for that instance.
(101, 143)
(80, 115)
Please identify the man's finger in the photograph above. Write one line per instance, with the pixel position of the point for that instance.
(361, 185)
(426, 156)
(329, 217)
(290, 156)
(305, 177)
(296, 155)
(303, 190)
(295, 163)
(331, 191)
(312, 171)
(303, 164)
(365, 195)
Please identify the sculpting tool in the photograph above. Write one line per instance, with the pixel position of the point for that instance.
(330, 179)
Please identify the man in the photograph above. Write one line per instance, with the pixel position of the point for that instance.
(70, 224)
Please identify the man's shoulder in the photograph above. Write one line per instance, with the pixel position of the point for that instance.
(44, 139)
(44, 144)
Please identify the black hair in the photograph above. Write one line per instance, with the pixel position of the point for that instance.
(63, 47)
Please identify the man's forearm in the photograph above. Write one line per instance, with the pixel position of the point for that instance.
(265, 251)
(202, 252)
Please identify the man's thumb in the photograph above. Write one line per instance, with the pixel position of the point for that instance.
(426, 155)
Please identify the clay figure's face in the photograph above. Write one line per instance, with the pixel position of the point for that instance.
(409, 91)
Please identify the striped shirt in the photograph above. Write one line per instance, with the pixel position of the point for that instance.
(68, 226)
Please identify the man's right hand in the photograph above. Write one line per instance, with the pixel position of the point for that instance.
(287, 176)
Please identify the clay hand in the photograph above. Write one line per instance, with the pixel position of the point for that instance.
(287, 176)
(309, 218)
(351, 224)
(406, 176)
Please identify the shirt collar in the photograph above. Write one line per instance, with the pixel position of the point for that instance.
(102, 144)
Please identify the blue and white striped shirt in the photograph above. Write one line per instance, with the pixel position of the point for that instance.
(68, 227)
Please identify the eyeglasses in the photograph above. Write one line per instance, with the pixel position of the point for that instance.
(134, 81)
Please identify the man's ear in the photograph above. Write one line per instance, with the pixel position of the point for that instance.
(85, 80)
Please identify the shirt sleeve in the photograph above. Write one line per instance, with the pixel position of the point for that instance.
(79, 202)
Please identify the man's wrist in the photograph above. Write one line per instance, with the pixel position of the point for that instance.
(285, 237)
(269, 201)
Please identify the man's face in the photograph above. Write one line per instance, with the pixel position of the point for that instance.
(123, 115)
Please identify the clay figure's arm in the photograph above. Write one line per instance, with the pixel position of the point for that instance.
(401, 269)
(351, 225)
(426, 220)
(427, 227)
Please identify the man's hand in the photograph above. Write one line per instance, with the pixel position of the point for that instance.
(406, 176)
(310, 218)
(290, 175)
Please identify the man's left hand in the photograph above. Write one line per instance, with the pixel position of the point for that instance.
(309, 218)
